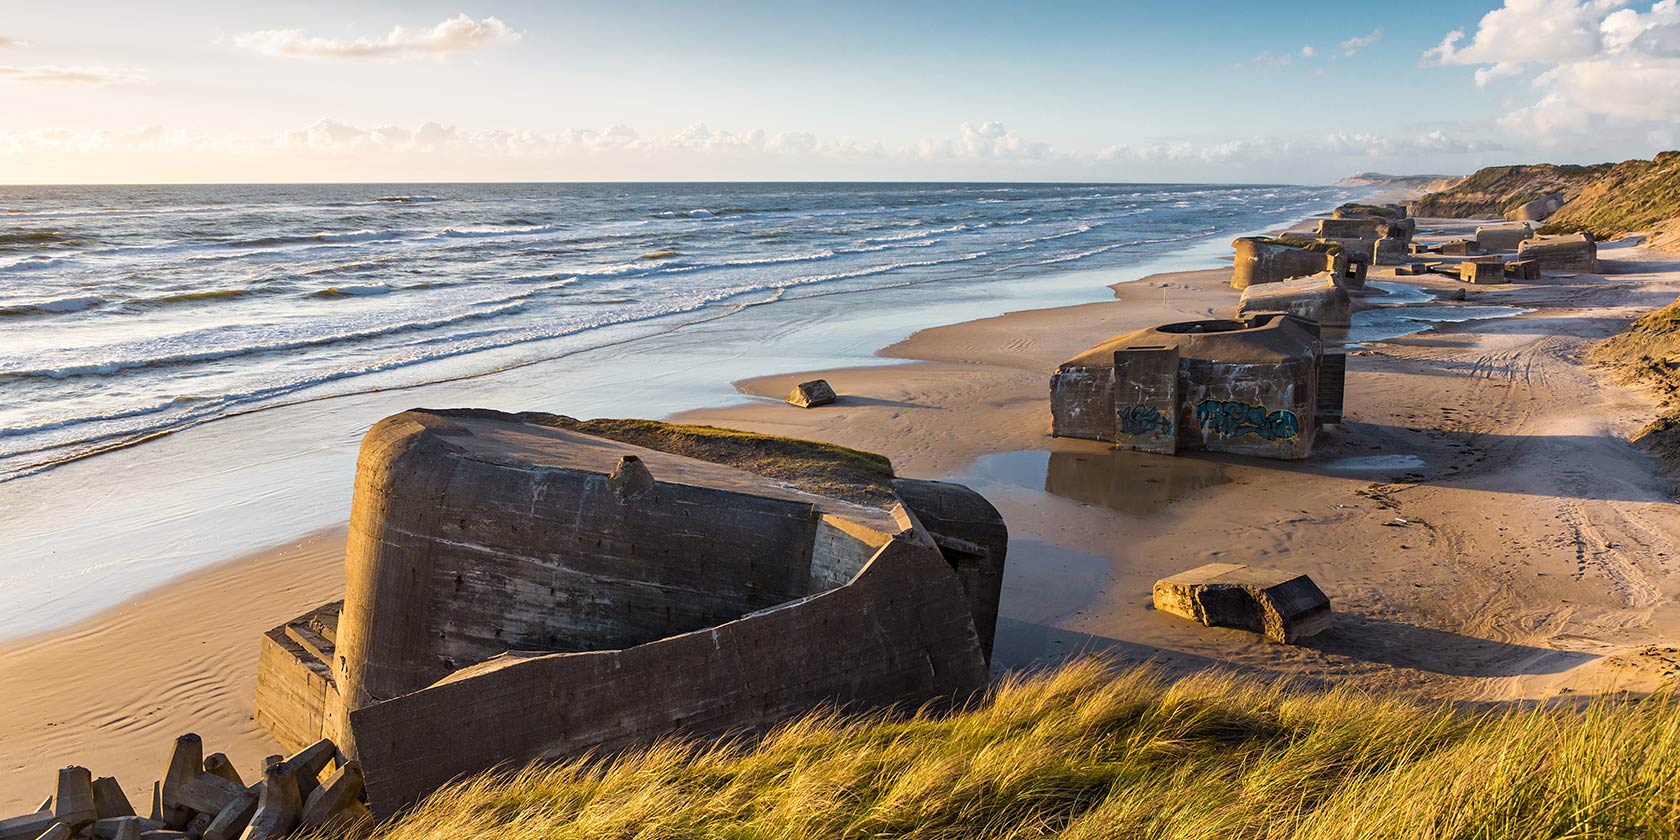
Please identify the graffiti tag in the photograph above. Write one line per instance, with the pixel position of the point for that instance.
(1144, 420)
(1233, 419)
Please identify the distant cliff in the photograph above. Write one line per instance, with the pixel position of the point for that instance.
(1497, 191)
(1428, 183)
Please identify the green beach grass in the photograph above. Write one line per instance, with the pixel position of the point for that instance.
(1088, 751)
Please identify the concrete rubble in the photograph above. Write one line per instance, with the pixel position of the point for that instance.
(1282, 606)
(1256, 386)
(1570, 252)
(811, 394)
(202, 798)
(505, 604)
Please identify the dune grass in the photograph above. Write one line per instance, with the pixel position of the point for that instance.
(1090, 752)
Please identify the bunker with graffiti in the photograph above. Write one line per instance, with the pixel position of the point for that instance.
(1249, 386)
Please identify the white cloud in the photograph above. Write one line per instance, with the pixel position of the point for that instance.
(75, 75)
(1273, 60)
(1308, 51)
(457, 34)
(1352, 46)
(11, 43)
(1599, 65)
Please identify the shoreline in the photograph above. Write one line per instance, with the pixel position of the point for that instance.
(243, 483)
(968, 401)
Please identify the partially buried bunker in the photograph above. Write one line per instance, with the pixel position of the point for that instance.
(519, 591)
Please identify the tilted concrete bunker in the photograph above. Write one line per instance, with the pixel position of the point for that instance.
(1569, 252)
(1265, 259)
(519, 592)
(1250, 387)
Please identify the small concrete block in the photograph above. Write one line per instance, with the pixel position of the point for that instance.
(1281, 605)
(811, 394)
(58, 831)
(109, 799)
(186, 762)
(26, 827)
(128, 828)
(1457, 248)
(106, 829)
(1523, 269)
(74, 800)
(1482, 273)
(1411, 269)
(217, 764)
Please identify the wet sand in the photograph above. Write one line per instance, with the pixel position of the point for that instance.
(1480, 522)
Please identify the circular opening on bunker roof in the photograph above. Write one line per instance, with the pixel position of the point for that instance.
(1215, 326)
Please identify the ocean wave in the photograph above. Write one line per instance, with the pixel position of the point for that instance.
(407, 199)
(35, 263)
(78, 303)
(326, 236)
(191, 297)
(475, 233)
(33, 238)
(353, 291)
(162, 352)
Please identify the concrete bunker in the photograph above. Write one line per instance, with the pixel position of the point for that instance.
(1569, 252)
(518, 591)
(1267, 259)
(1247, 386)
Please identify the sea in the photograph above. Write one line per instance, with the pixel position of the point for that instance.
(131, 312)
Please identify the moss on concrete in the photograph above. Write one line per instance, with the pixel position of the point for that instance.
(822, 468)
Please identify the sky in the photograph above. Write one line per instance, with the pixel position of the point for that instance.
(509, 90)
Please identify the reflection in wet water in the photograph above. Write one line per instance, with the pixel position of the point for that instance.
(1408, 309)
(1135, 483)
(1376, 462)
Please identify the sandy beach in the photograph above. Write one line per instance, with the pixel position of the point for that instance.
(1480, 522)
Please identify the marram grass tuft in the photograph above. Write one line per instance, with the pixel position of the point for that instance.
(1088, 751)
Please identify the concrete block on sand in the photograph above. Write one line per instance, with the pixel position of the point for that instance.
(26, 827)
(1572, 252)
(1502, 237)
(812, 394)
(1482, 273)
(185, 764)
(1318, 298)
(1283, 606)
(74, 800)
(109, 799)
(1523, 270)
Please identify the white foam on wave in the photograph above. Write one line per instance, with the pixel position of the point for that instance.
(76, 303)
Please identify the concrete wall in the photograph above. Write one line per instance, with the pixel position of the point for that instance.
(1574, 252)
(1260, 260)
(1248, 387)
(973, 539)
(508, 600)
(1502, 237)
(453, 559)
(1318, 298)
(898, 634)
(1082, 401)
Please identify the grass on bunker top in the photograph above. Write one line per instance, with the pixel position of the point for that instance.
(815, 467)
(1086, 751)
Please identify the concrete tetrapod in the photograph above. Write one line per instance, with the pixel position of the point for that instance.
(73, 803)
(277, 805)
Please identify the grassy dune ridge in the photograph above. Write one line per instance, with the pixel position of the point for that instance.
(1089, 751)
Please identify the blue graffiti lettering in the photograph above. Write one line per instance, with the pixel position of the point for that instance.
(1232, 419)
(1144, 420)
